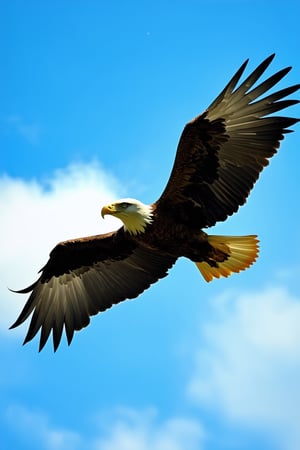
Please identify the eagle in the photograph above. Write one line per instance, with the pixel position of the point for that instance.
(219, 157)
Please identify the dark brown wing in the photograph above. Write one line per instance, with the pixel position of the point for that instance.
(85, 276)
(222, 152)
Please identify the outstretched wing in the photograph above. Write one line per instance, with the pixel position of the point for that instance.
(85, 276)
(222, 152)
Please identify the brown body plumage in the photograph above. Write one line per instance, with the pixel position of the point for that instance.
(219, 157)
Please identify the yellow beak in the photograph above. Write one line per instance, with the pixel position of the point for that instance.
(107, 209)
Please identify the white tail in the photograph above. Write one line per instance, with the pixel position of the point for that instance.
(242, 251)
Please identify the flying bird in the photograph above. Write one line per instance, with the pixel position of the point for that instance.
(219, 158)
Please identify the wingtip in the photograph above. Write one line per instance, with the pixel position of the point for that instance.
(267, 61)
(56, 343)
(41, 346)
(25, 290)
(17, 323)
(26, 340)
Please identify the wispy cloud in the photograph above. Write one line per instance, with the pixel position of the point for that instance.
(141, 430)
(127, 429)
(250, 367)
(29, 131)
(35, 428)
(35, 215)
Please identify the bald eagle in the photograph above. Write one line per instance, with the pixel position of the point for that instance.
(219, 158)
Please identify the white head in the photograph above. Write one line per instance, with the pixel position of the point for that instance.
(134, 214)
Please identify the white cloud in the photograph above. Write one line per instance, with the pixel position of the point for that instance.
(127, 429)
(250, 368)
(36, 215)
(140, 430)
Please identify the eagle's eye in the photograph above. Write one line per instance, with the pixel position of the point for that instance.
(124, 205)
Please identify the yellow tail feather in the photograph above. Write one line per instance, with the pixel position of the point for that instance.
(242, 251)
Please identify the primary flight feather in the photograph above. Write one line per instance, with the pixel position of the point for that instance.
(219, 157)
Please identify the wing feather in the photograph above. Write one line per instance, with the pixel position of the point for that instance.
(84, 277)
(222, 152)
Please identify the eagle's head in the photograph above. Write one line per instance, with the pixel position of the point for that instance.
(134, 214)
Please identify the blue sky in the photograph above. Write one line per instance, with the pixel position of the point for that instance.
(94, 96)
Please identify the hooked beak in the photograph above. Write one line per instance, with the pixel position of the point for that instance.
(107, 209)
